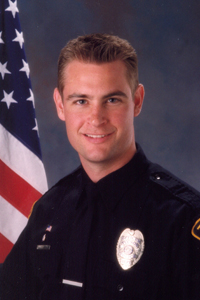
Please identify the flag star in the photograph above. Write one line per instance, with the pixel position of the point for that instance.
(8, 99)
(1, 41)
(3, 70)
(31, 98)
(19, 38)
(25, 68)
(12, 7)
(36, 126)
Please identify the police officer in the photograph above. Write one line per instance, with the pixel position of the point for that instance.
(118, 227)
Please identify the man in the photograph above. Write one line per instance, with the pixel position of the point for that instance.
(118, 227)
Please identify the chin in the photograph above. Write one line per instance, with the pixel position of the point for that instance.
(96, 158)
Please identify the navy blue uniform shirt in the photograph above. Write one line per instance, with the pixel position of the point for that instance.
(68, 249)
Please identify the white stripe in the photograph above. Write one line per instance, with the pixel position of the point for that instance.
(12, 221)
(22, 161)
(74, 283)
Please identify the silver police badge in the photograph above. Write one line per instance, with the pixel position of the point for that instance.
(130, 247)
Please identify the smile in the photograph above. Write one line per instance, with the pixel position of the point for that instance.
(97, 136)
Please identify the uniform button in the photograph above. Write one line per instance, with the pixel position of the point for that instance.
(157, 176)
(120, 288)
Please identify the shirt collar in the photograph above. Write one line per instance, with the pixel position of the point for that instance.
(113, 186)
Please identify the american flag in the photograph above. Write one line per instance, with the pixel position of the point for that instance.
(22, 175)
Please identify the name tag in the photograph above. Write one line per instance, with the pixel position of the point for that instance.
(43, 247)
(74, 283)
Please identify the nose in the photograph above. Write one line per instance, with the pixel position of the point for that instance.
(97, 116)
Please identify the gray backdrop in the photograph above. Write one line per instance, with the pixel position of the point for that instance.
(166, 35)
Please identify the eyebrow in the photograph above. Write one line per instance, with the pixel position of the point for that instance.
(112, 94)
(115, 93)
(74, 95)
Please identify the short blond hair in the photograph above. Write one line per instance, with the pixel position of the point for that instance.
(99, 48)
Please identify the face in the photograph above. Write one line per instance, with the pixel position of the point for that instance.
(98, 107)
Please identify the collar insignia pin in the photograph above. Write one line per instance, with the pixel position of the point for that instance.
(130, 247)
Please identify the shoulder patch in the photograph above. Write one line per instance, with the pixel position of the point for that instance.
(196, 229)
(31, 209)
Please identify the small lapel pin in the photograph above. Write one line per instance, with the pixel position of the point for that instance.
(44, 237)
(130, 247)
(49, 227)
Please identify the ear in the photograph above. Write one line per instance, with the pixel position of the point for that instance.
(138, 99)
(59, 104)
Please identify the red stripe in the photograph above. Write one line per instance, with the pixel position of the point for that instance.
(5, 247)
(16, 190)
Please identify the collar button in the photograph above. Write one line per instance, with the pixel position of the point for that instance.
(120, 287)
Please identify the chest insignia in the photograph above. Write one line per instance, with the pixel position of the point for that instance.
(196, 230)
(130, 247)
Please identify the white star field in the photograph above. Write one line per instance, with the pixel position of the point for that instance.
(31, 98)
(1, 41)
(8, 98)
(12, 7)
(25, 68)
(19, 38)
(3, 69)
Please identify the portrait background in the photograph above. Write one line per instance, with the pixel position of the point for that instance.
(166, 36)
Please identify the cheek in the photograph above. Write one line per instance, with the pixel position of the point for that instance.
(73, 122)
(72, 129)
(123, 119)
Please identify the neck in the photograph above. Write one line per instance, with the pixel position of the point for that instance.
(98, 170)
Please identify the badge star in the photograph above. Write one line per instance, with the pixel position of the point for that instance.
(12, 7)
(25, 68)
(1, 41)
(8, 99)
(3, 70)
(19, 38)
(31, 98)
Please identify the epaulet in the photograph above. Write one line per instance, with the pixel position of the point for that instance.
(175, 186)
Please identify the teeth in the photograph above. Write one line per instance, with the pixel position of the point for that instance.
(96, 136)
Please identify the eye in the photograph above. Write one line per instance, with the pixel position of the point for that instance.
(80, 101)
(113, 100)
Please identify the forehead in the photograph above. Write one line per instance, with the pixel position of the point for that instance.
(111, 73)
